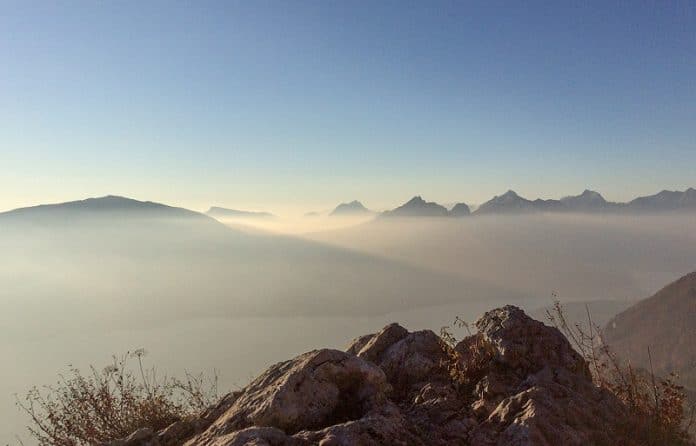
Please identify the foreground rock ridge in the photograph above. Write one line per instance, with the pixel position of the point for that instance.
(514, 382)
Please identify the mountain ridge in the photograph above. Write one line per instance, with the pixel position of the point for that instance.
(589, 201)
(217, 211)
(418, 207)
(108, 204)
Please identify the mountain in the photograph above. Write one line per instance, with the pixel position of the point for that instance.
(396, 387)
(587, 201)
(507, 203)
(234, 213)
(350, 209)
(665, 323)
(417, 207)
(665, 201)
(460, 210)
(108, 206)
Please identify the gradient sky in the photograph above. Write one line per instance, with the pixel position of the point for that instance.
(274, 105)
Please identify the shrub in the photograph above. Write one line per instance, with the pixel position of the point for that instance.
(104, 405)
(467, 361)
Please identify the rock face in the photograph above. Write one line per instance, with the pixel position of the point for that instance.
(515, 382)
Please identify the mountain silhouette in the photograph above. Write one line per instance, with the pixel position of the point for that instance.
(665, 201)
(107, 206)
(216, 211)
(507, 203)
(589, 200)
(460, 210)
(417, 207)
(350, 209)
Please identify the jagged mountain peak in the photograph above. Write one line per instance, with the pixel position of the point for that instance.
(418, 207)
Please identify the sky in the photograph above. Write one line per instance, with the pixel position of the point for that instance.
(302, 105)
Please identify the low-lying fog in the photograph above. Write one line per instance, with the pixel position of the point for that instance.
(580, 257)
(199, 295)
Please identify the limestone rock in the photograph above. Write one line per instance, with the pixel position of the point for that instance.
(515, 382)
(314, 390)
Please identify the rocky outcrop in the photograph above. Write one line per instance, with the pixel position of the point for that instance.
(515, 382)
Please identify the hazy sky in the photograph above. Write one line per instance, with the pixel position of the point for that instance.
(278, 104)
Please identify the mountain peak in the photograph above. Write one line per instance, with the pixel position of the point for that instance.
(509, 202)
(351, 208)
(510, 194)
(460, 210)
(416, 200)
(587, 201)
(418, 207)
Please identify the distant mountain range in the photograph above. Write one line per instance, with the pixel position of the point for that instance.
(353, 208)
(234, 213)
(589, 201)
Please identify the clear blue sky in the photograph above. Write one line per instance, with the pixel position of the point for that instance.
(270, 104)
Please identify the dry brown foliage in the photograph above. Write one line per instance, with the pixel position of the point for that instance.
(104, 405)
(467, 362)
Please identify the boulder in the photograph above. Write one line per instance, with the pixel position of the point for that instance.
(314, 390)
(515, 382)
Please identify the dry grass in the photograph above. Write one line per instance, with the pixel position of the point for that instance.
(104, 405)
(467, 362)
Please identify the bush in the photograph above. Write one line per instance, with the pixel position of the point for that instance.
(467, 362)
(112, 403)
